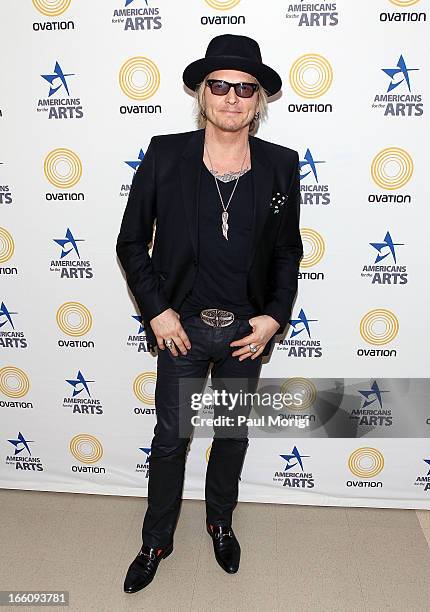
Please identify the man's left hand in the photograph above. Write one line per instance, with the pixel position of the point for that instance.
(263, 328)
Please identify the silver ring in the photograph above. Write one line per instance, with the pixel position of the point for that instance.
(253, 348)
(169, 343)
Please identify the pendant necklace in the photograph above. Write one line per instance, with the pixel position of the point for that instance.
(224, 216)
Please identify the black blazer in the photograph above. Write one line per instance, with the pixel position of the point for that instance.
(166, 187)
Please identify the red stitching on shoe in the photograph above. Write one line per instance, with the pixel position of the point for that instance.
(159, 551)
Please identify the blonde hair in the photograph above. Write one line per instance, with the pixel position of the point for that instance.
(262, 107)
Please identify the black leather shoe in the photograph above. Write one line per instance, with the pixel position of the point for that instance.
(226, 547)
(143, 569)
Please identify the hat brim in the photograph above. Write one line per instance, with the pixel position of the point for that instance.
(196, 72)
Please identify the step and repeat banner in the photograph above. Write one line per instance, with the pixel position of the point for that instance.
(84, 86)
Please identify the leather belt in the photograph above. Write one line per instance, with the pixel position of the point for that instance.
(217, 317)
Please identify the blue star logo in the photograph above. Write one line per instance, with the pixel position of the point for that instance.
(295, 455)
(372, 395)
(399, 71)
(23, 441)
(138, 318)
(428, 463)
(127, 2)
(387, 244)
(69, 239)
(301, 321)
(58, 75)
(147, 451)
(80, 380)
(4, 312)
(136, 163)
(309, 161)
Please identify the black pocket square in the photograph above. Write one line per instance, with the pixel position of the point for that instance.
(278, 200)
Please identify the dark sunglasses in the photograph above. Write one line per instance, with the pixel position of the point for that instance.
(221, 88)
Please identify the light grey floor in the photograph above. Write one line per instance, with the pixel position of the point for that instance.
(294, 558)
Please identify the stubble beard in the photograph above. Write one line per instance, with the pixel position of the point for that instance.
(228, 125)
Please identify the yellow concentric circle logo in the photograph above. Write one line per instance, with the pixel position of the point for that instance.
(7, 245)
(404, 2)
(51, 8)
(392, 168)
(86, 448)
(366, 462)
(379, 326)
(303, 387)
(143, 387)
(222, 5)
(139, 78)
(74, 319)
(311, 76)
(13, 382)
(313, 247)
(63, 168)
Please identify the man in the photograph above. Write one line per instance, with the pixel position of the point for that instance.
(220, 282)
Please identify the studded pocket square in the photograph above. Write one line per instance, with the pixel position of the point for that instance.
(277, 202)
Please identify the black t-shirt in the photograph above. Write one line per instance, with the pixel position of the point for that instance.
(221, 280)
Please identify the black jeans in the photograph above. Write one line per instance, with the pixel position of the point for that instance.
(170, 442)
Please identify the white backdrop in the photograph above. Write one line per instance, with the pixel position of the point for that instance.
(85, 84)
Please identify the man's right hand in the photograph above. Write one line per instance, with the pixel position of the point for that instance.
(167, 325)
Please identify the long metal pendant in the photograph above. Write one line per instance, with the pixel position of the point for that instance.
(225, 224)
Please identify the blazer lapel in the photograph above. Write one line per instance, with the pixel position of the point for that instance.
(190, 170)
(262, 172)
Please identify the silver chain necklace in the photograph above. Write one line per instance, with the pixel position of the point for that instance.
(224, 216)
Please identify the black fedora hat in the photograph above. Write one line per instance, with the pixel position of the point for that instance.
(234, 52)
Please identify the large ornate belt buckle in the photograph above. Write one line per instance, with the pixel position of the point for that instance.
(217, 317)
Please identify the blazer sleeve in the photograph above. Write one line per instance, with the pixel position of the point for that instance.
(134, 236)
(287, 253)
